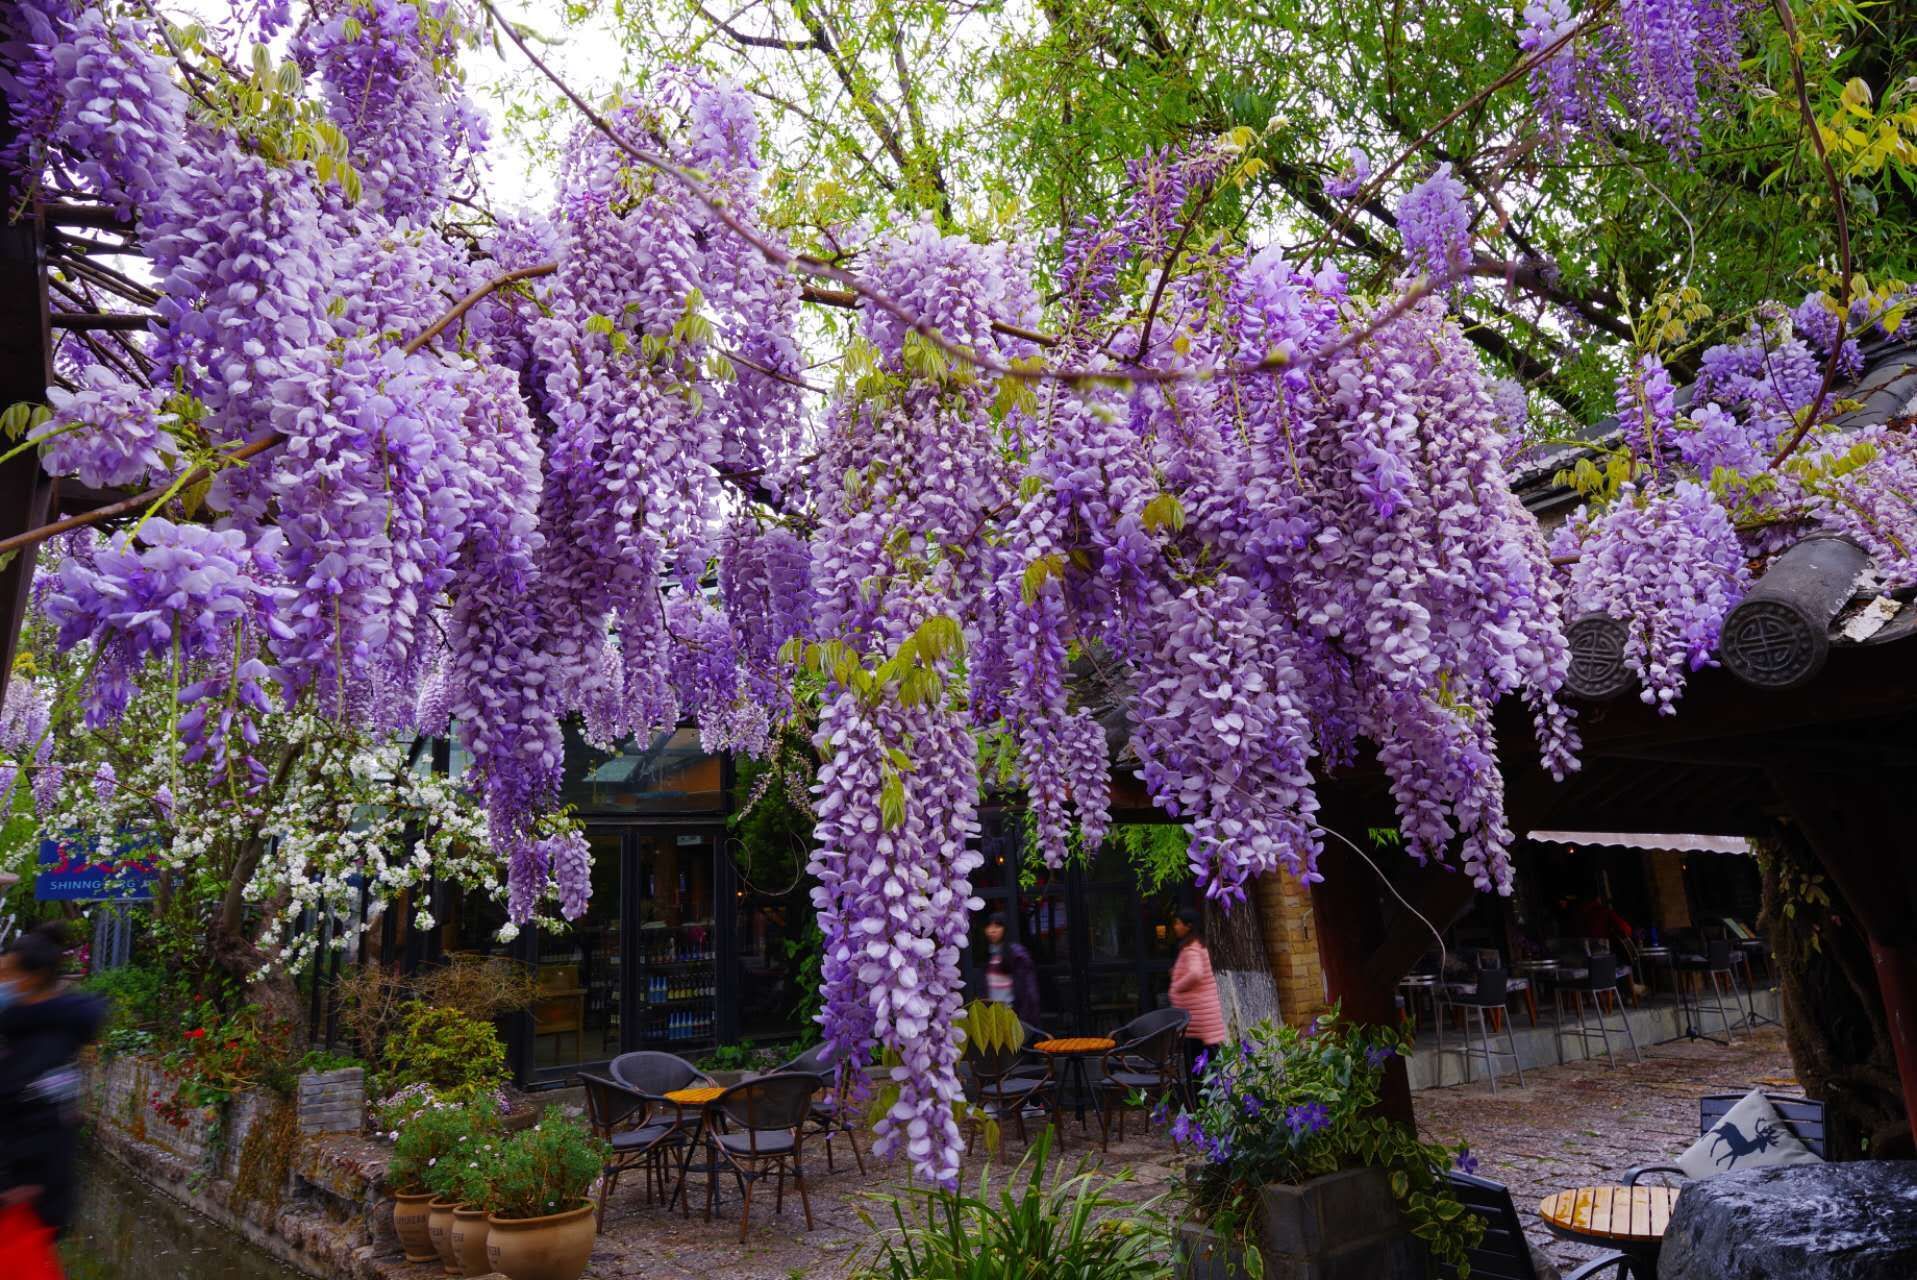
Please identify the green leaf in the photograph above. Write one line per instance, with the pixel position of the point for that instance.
(1165, 510)
(892, 801)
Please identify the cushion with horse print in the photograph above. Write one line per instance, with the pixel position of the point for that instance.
(1750, 1136)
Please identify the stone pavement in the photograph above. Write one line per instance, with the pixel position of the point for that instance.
(644, 1240)
(1569, 1126)
(1586, 1123)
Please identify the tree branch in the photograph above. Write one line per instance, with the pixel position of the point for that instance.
(1842, 211)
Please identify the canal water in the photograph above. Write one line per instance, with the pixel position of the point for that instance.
(125, 1230)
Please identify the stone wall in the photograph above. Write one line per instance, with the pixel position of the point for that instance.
(1291, 943)
(331, 1218)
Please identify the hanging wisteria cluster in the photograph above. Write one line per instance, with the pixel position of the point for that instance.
(1653, 70)
(1231, 520)
(1714, 485)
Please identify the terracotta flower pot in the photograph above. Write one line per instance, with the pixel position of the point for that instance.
(555, 1247)
(409, 1219)
(469, 1241)
(439, 1228)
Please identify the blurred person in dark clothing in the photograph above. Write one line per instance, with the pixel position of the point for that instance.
(43, 1027)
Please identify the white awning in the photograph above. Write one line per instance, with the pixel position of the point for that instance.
(1647, 840)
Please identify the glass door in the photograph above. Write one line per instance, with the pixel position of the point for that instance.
(675, 941)
(580, 972)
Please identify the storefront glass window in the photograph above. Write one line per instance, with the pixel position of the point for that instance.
(670, 774)
(575, 1016)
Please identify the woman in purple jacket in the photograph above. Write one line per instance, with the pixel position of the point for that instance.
(1010, 976)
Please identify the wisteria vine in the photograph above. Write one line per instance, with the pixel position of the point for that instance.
(1232, 522)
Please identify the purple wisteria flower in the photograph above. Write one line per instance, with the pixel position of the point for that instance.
(1352, 175)
(1435, 224)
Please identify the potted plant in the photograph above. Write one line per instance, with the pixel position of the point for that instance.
(1295, 1163)
(427, 1138)
(541, 1226)
(443, 1177)
(468, 1179)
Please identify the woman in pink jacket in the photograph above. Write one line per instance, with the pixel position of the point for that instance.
(1194, 990)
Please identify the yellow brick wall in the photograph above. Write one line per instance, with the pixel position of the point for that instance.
(1291, 944)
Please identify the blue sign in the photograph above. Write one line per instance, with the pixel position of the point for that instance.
(74, 869)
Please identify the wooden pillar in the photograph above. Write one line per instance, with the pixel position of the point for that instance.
(1350, 932)
(1861, 835)
(26, 492)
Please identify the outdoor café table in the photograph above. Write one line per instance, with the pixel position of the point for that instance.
(699, 1101)
(1628, 1219)
(1411, 984)
(1659, 958)
(1069, 1057)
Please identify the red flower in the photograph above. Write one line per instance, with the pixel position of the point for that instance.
(198, 1033)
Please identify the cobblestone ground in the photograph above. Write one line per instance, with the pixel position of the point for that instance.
(1586, 1123)
(1569, 1126)
(644, 1240)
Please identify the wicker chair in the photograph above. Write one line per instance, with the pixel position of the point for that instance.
(1145, 1061)
(762, 1131)
(657, 1074)
(998, 1087)
(832, 1110)
(626, 1120)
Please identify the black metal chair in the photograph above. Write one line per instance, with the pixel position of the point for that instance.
(1490, 992)
(1598, 979)
(763, 1132)
(627, 1121)
(657, 1074)
(1030, 1061)
(1146, 1061)
(1718, 966)
(998, 1088)
(1504, 1253)
(1804, 1117)
(833, 1112)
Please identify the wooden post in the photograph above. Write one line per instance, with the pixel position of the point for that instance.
(26, 492)
(1350, 931)
(1861, 836)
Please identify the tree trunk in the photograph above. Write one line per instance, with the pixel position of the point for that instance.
(1833, 1009)
(1246, 992)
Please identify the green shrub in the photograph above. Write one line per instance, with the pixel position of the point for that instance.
(328, 1060)
(459, 1057)
(546, 1169)
(1075, 1227)
(139, 997)
(431, 1143)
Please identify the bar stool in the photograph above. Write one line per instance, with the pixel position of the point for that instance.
(1719, 965)
(1599, 978)
(1490, 992)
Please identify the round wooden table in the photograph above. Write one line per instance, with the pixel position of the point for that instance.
(695, 1107)
(1068, 1057)
(1628, 1219)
